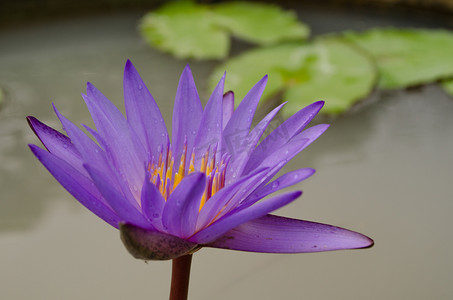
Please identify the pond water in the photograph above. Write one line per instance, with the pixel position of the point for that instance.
(383, 169)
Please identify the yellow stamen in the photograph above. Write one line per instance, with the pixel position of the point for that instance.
(204, 197)
(177, 180)
(214, 184)
(161, 172)
(192, 163)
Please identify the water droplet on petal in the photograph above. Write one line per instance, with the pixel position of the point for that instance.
(275, 184)
(296, 176)
(194, 132)
(140, 86)
(287, 151)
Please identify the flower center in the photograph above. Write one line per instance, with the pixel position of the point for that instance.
(166, 177)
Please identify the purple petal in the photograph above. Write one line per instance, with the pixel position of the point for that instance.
(239, 159)
(186, 114)
(273, 234)
(228, 107)
(119, 202)
(210, 130)
(239, 125)
(77, 185)
(223, 198)
(153, 204)
(142, 112)
(283, 133)
(90, 151)
(57, 143)
(181, 210)
(292, 148)
(231, 221)
(127, 152)
(152, 245)
(283, 181)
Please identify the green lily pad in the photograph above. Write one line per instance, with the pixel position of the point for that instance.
(407, 57)
(189, 30)
(328, 69)
(186, 30)
(263, 24)
(448, 86)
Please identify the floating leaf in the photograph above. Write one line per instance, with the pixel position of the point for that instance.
(448, 86)
(248, 68)
(407, 57)
(259, 23)
(190, 30)
(186, 30)
(327, 69)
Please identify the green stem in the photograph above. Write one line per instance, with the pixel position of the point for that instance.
(180, 277)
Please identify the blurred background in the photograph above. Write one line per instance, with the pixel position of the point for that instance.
(384, 167)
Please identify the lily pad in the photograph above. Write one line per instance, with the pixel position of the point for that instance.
(448, 86)
(328, 69)
(189, 30)
(263, 24)
(186, 30)
(407, 57)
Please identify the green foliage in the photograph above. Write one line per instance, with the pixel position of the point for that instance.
(186, 30)
(407, 57)
(263, 24)
(189, 30)
(327, 69)
(340, 69)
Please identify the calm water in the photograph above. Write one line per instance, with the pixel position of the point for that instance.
(383, 169)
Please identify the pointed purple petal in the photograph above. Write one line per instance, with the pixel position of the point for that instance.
(90, 151)
(210, 130)
(181, 210)
(142, 112)
(186, 114)
(152, 245)
(153, 204)
(283, 181)
(273, 234)
(119, 202)
(231, 221)
(239, 125)
(287, 152)
(77, 185)
(57, 143)
(127, 152)
(240, 158)
(283, 133)
(228, 107)
(223, 198)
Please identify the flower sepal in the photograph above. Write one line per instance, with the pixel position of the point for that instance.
(153, 245)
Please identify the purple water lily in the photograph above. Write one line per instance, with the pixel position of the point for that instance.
(208, 187)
